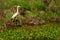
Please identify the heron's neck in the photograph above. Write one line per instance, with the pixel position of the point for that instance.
(17, 10)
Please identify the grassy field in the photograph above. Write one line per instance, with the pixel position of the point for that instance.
(47, 31)
(44, 32)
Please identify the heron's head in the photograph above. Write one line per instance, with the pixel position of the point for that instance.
(18, 6)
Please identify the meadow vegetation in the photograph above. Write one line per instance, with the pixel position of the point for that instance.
(48, 10)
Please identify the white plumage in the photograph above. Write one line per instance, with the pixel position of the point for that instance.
(15, 14)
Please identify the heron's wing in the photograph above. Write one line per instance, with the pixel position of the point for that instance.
(14, 15)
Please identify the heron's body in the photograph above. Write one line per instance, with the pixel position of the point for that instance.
(15, 14)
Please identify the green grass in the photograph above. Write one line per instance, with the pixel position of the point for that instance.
(1, 22)
(48, 31)
(9, 15)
